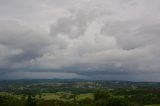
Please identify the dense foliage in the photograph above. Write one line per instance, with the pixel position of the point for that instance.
(101, 98)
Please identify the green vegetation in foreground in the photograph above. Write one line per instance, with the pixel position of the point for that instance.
(77, 93)
(49, 96)
(100, 98)
(153, 105)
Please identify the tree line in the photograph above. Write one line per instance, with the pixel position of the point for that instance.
(101, 98)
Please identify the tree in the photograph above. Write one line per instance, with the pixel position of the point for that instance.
(104, 98)
(101, 97)
(31, 101)
(117, 101)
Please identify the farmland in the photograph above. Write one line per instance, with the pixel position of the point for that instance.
(78, 92)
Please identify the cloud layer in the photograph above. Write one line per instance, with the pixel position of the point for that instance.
(80, 39)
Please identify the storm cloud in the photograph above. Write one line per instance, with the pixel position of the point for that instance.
(91, 39)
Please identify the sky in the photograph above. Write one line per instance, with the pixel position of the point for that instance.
(84, 39)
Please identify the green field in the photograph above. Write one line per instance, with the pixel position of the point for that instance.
(83, 93)
(48, 96)
(83, 96)
(58, 96)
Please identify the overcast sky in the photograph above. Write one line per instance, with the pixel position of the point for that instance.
(91, 39)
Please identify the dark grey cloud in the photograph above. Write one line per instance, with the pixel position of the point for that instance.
(80, 39)
(19, 43)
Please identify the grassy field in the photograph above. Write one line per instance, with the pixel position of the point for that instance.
(61, 96)
(48, 96)
(83, 96)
